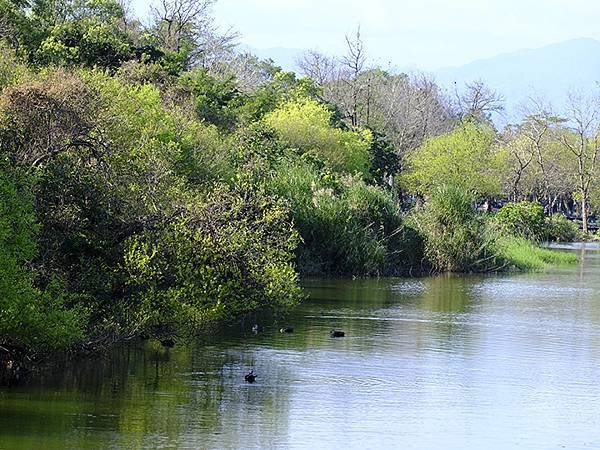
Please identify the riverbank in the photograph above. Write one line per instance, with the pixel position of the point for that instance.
(17, 365)
(434, 362)
(148, 191)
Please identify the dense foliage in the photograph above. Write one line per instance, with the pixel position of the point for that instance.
(465, 158)
(30, 317)
(457, 239)
(154, 181)
(526, 219)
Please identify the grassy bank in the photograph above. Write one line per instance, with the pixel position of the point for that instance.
(522, 254)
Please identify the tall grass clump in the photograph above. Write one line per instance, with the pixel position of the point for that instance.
(457, 238)
(347, 227)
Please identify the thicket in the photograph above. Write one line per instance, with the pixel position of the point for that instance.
(154, 181)
(528, 220)
(459, 238)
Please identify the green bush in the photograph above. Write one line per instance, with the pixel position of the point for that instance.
(526, 219)
(561, 229)
(216, 261)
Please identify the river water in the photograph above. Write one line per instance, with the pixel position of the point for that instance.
(450, 362)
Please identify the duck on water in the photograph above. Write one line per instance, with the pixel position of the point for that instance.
(250, 377)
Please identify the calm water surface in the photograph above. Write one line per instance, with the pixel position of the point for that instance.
(509, 361)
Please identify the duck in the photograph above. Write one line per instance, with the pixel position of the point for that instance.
(256, 328)
(250, 377)
(286, 330)
(336, 333)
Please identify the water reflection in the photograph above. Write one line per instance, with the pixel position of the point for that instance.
(444, 362)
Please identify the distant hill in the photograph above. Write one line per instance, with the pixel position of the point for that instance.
(549, 71)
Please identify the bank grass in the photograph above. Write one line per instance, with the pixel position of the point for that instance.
(525, 255)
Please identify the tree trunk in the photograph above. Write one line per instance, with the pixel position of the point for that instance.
(584, 213)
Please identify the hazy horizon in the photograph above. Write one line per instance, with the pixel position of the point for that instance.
(430, 35)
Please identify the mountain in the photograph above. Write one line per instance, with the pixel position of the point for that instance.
(551, 71)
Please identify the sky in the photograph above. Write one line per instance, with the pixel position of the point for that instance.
(416, 34)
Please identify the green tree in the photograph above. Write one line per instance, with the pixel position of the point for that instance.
(214, 100)
(384, 160)
(215, 261)
(30, 318)
(305, 125)
(465, 158)
(71, 32)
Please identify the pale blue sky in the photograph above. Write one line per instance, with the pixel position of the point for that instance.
(423, 34)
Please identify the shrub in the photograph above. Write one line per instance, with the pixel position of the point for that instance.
(457, 238)
(11, 70)
(215, 261)
(561, 229)
(526, 219)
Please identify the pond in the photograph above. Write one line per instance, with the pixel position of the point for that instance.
(453, 362)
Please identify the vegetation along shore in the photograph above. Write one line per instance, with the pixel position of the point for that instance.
(156, 181)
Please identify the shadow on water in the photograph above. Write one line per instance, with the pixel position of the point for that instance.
(483, 361)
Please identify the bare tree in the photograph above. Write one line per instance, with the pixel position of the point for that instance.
(353, 64)
(318, 66)
(48, 117)
(409, 109)
(478, 101)
(179, 21)
(582, 139)
(520, 157)
(347, 82)
(539, 130)
(250, 73)
(189, 25)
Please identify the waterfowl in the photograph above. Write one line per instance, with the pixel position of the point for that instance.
(256, 328)
(250, 377)
(287, 330)
(336, 333)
